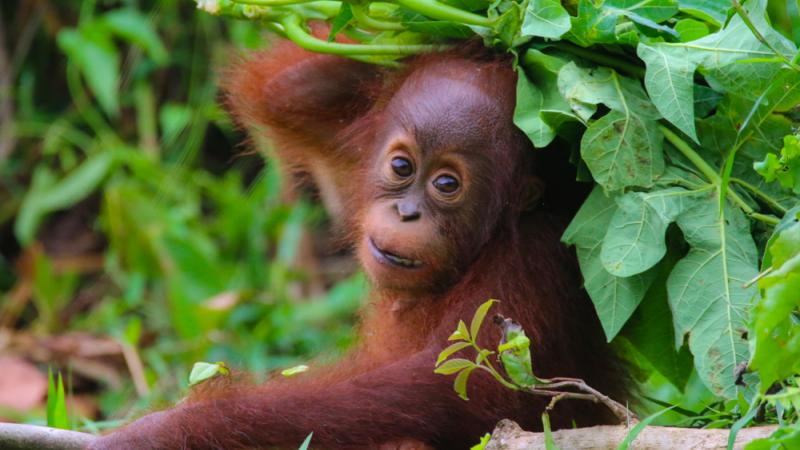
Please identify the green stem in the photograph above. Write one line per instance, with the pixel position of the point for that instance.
(601, 58)
(296, 32)
(761, 195)
(746, 19)
(441, 11)
(367, 21)
(271, 2)
(766, 218)
(691, 155)
(712, 175)
(490, 368)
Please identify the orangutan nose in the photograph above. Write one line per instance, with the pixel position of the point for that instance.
(408, 210)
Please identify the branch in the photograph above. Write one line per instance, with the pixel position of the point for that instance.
(509, 436)
(623, 414)
(25, 437)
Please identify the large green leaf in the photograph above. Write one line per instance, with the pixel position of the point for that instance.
(614, 298)
(545, 18)
(623, 150)
(707, 292)
(670, 82)
(635, 241)
(541, 109)
(597, 22)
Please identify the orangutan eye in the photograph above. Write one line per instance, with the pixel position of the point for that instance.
(402, 167)
(446, 184)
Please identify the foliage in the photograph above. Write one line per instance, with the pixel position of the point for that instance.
(56, 403)
(670, 104)
(127, 209)
(202, 371)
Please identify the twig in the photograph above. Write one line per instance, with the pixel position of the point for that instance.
(25, 437)
(620, 411)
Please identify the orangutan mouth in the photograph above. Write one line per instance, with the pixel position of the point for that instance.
(390, 258)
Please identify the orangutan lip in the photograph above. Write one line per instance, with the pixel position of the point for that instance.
(389, 258)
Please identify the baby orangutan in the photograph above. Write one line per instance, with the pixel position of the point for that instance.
(443, 200)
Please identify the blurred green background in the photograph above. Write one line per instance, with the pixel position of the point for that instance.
(140, 230)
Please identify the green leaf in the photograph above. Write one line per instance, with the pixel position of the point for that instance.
(460, 383)
(614, 298)
(292, 371)
(549, 442)
(477, 319)
(707, 293)
(515, 354)
(540, 108)
(634, 432)
(690, 29)
(341, 20)
(584, 88)
(482, 444)
(202, 371)
(718, 55)
(444, 354)
(598, 22)
(47, 195)
(776, 344)
(452, 366)
(711, 11)
(98, 61)
(545, 18)
(623, 149)
(669, 80)
(461, 333)
(306, 442)
(635, 241)
(134, 27)
(56, 403)
(784, 168)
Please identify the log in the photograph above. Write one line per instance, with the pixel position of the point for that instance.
(509, 436)
(26, 437)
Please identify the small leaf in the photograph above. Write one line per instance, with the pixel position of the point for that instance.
(134, 27)
(450, 350)
(306, 442)
(477, 319)
(453, 365)
(341, 20)
(461, 333)
(482, 444)
(56, 403)
(545, 18)
(98, 60)
(291, 371)
(202, 371)
(460, 383)
(634, 432)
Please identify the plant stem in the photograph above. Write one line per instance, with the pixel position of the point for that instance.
(761, 195)
(272, 2)
(749, 23)
(437, 10)
(364, 19)
(601, 58)
(690, 154)
(713, 176)
(295, 31)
